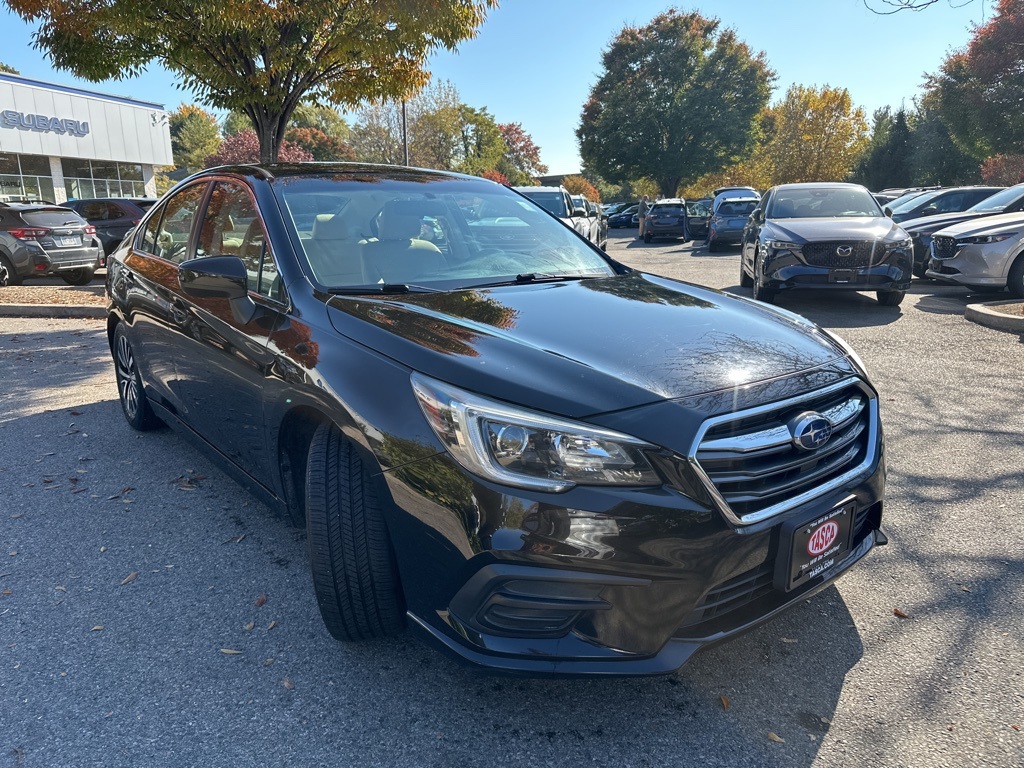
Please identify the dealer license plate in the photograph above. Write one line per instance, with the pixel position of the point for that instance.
(816, 546)
(842, 275)
(69, 240)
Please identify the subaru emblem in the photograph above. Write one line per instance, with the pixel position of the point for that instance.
(810, 431)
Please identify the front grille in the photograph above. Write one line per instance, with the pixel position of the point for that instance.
(944, 247)
(862, 254)
(756, 469)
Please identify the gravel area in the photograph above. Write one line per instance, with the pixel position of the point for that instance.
(53, 291)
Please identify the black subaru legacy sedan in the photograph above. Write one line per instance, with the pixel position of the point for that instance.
(539, 459)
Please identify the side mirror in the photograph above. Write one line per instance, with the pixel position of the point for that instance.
(219, 277)
(579, 212)
(887, 211)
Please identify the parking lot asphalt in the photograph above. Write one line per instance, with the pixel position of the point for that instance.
(152, 613)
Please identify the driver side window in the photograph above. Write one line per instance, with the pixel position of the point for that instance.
(172, 236)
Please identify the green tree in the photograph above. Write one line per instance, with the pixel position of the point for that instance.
(195, 136)
(935, 158)
(235, 122)
(7, 69)
(317, 117)
(480, 146)
(260, 58)
(676, 99)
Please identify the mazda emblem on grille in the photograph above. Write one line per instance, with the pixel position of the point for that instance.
(810, 431)
(844, 250)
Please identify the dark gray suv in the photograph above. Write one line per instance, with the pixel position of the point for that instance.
(40, 239)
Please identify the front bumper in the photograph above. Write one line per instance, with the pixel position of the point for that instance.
(784, 270)
(980, 265)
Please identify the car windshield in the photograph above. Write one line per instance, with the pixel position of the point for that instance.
(915, 202)
(893, 204)
(668, 209)
(53, 217)
(1000, 200)
(420, 230)
(551, 201)
(822, 202)
(736, 207)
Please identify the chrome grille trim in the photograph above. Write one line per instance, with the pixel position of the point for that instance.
(844, 413)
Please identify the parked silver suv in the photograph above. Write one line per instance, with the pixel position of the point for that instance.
(40, 239)
(983, 254)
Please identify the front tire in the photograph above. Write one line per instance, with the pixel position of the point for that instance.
(890, 298)
(713, 246)
(134, 405)
(354, 572)
(13, 278)
(80, 276)
(746, 281)
(1015, 280)
(761, 290)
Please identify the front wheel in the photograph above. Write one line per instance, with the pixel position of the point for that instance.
(713, 246)
(746, 281)
(354, 571)
(1015, 280)
(761, 290)
(12, 274)
(134, 405)
(80, 276)
(890, 298)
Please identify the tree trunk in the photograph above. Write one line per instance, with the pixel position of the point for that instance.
(669, 186)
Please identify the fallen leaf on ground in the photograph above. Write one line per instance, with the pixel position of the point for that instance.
(287, 683)
(230, 651)
(47, 479)
(789, 640)
(12, 554)
(97, 628)
(250, 626)
(103, 549)
(772, 736)
(725, 702)
(61, 589)
(6, 592)
(826, 721)
(17, 516)
(964, 589)
(898, 612)
(130, 578)
(1015, 727)
(235, 539)
(261, 601)
(75, 413)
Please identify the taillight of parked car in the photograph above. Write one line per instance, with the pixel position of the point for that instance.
(29, 233)
(90, 230)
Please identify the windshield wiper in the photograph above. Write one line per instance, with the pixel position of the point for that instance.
(533, 277)
(385, 288)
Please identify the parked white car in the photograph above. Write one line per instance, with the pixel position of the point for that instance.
(984, 254)
(558, 201)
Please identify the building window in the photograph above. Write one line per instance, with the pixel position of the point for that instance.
(84, 179)
(25, 176)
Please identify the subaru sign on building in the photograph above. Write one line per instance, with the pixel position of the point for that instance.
(58, 143)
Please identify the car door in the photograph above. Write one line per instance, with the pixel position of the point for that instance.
(145, 285)
(222, 358)
(752, 232)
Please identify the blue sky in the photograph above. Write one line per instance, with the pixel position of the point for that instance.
(535, 61)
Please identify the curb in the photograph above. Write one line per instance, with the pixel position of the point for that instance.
(982, 315)
(92, 312)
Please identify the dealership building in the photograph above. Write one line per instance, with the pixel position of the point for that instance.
(59, 143)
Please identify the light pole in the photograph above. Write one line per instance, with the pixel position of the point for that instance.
(405, 134)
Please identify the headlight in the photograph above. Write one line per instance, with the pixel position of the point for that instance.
(984, 239)
(783, 245)
(525, 449)
(845, 346)
(898, 244)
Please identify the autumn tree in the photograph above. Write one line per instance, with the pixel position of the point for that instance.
(260, 58)
(979, 89)
(676, 99)
(520, 161)
(1006, 170)
(577, 185)
(244, 147)
(8, 69)
(195, 136)
(817, 135)
(319, 145)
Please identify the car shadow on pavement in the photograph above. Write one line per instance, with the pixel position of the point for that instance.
(834, 309)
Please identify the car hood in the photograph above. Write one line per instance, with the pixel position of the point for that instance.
(834, 228)
(927, 224)
(586, 347)
(988, 225)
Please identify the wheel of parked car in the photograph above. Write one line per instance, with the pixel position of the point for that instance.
(80, 276)
(713, 245)
(1015, 280)
(890, 298)
(136, 409)
(761, 291)
(746, 281)
(12, 275)
(354, 572)
(647, 237)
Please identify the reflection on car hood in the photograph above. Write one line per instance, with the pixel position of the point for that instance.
(835, 228)
(928, 224)
(588, 346)
(987, 225)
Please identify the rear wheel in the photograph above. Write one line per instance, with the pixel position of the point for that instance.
(136, 409)
(647, 237)
(80, 276)
(890, 298)
(12, 274)
(712, 245)
(354, 572)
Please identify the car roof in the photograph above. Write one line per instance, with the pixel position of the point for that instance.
(820, 185)
(270, 171)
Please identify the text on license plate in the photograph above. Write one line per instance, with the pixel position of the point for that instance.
(69, 240)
